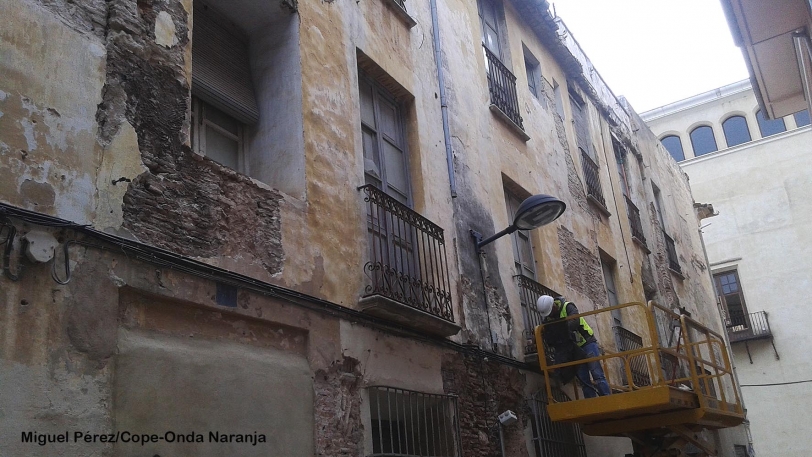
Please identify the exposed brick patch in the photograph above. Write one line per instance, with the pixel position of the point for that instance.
(582, 269)
(339, 431)
(484, 390)
(184, 203)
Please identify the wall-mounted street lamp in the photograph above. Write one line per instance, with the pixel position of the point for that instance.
(534, 212)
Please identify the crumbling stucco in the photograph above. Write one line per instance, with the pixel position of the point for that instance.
(339, 431)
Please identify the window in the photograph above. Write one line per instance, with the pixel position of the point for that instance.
(217, 135)
(559, 101)
(620, 159)
(553, 439)
(522, 246)
(407, 423)
(740, 450)
(730, 295)
(769, 126)
(385, 162)
(580, 116)
(702, 140)
(673, 145)
(223, 102)
(801, 118)
(489, 16)
(533, 69)
(736, 131)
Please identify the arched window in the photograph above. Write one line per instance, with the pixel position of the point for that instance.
(801, 118)
(736, 131)
(769, 126)
(673, 145)
(702, 140)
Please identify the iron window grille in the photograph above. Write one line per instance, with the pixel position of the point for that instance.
(592, 178)
(553, 439)
(671, 249)
(635, 222)
(407, 259)
(502, 87)
(406, 423)
(529, 292)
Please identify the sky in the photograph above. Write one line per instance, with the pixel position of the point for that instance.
(654, 52)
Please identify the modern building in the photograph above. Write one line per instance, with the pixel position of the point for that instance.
(756, 174)
(238, 228)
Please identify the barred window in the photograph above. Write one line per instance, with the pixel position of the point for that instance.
(553, 439)
(407, 423)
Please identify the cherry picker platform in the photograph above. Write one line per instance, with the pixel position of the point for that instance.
(670, 376)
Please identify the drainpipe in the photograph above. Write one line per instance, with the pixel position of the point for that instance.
(449, 156)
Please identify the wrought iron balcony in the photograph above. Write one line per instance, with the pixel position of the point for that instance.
(401, 3)
(502, 87)
(630, 341)
(407, 269)
(592, 178)
(746, 327)
(671, 248)
(635, 222)
(529, 292)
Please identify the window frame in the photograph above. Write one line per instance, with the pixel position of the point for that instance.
(200, 123)
(722, 297)
(518, 238)
(449, 418)
(694, 141)
(764, 122)
(670, 152)
(727, 133)
(493, 7)
(547, 438)
(381, 95)
(806, 119)
(532, 68)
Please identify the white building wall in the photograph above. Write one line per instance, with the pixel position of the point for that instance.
(764, 231)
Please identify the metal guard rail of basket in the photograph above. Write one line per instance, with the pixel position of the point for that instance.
(407, 261)
(701, 348)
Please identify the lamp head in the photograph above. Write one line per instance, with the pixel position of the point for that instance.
(538, 210)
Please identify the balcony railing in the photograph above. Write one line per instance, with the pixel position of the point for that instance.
(592, 178)
(502, 87)
(671, 248)
(401, 3)
(407, 259)
(630, 341)
(529, 293)
(635, 222)
(745, 327)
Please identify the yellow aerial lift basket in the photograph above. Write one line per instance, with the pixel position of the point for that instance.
(669, 374)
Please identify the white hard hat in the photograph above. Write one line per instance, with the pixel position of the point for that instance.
(545, 305)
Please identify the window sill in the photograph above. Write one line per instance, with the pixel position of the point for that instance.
(641, 244)
(513, 126)
(401, 13)
(598, 205)
(676, 273)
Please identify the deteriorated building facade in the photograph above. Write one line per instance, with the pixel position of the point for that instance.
(254, 218)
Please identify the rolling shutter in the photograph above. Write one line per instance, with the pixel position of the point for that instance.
(221, 74)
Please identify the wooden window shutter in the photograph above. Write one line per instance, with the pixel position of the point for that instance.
(221, 72)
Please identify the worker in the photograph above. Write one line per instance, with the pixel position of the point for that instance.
(573, 341)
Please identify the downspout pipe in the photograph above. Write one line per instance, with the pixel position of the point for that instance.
(449, 155)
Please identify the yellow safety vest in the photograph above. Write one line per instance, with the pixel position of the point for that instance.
(580, 340)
